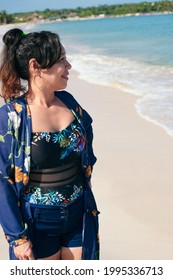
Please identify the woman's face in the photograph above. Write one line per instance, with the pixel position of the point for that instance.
(56, 77)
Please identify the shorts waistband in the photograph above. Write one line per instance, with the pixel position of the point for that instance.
(52, 212)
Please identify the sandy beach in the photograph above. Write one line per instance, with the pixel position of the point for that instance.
(132, 179)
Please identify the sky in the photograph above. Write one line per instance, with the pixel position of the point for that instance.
(14, 6)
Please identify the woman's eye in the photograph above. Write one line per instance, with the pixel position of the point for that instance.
(62, 58)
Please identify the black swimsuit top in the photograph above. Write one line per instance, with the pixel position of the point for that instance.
(51, 149)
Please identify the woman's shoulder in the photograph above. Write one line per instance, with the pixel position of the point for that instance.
(12, 109)
(11, 103)
(74, 105)
(66, 96)
(5, 108)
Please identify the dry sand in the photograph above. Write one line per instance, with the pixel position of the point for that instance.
(132, 179)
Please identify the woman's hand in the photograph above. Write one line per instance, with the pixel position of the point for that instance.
(24, 251)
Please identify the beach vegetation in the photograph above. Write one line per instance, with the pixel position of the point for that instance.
(99, 11)
(5, 18)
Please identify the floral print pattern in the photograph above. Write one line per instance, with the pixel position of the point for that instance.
(53, 196)
(70, 139)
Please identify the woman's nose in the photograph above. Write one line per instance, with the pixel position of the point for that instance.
(69, 66)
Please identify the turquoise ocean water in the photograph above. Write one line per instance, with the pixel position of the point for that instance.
(134, 54)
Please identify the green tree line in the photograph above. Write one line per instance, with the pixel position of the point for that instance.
(107, 10)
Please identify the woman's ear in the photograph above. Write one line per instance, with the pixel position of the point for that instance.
(34, 67)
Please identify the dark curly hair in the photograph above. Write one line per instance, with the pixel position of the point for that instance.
(19, 48)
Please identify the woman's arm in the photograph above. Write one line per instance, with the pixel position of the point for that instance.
(10, 215)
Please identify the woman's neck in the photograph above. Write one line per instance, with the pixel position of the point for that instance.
(40, 98)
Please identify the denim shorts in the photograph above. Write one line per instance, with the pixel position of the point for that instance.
(53, 227)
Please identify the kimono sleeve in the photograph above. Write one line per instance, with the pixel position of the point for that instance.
(91, 155)
(88, 156)
(10, 215)
(90, 136)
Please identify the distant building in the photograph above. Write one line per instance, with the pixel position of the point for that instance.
(35, 17)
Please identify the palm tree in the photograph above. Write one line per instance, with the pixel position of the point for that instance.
(5, 18)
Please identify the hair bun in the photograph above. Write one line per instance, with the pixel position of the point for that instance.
(12, 37)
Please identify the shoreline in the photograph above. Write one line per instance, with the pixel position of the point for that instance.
(115, 16)
(10, 25)
(93, 17)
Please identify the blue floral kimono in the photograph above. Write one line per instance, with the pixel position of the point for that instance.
(15, 144)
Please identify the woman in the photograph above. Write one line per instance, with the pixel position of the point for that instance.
(47, 208)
